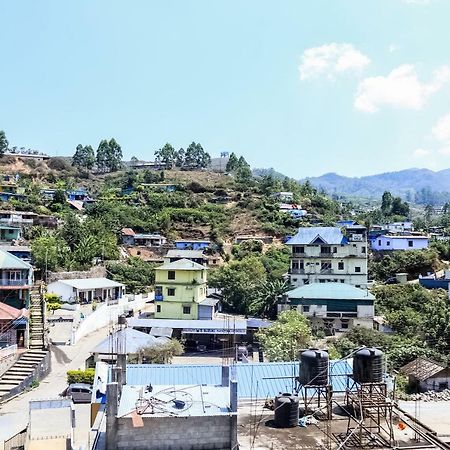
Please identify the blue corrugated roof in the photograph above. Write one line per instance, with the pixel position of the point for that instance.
(329, 235)
(259, 380)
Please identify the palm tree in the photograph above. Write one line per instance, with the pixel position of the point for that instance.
(265, 305)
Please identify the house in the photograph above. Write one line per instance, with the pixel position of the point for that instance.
(152, 416)
(20, 251)
(180, 291)
(8, 233)
(329, 254)
(196, 256)
(399, 227)
(331, 307)
(404, 242)
(427, 375)
(286, 197)
(18, 218)
(7, 196)
(131, 340)
(192, 244)
(129, 237)
(16, 279)
(87, 290)
(13, 324)
(78, 194)
(294, 210)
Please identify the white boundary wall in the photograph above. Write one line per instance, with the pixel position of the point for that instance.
(106, 315)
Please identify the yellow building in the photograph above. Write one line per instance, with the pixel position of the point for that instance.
(180, 291)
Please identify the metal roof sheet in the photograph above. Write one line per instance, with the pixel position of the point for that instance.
(255, 380)
(174, 253)
(181, 264)
(306, 236)
(90, 283)
(341, 291)
(422, 368)
(231, 325)
(9, 261)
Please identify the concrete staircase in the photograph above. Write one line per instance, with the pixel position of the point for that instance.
(21, 371)
(37, 340)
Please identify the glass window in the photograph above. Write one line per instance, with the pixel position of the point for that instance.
(171, 275)
(410, 243)
(186, 309)
(305, 308)
(340, 265)
(158, 308)
(357, 269)
(170, 292)
(363, 249)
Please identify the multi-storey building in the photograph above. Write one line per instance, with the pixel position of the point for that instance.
(181, 291)
(329, 254)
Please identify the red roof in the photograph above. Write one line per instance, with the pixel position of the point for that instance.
(127, 232)
(10, 313)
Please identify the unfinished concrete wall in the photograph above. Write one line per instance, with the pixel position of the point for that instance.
(176, 433)
(94, 272)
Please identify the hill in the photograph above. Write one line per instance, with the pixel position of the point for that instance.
(409, 184)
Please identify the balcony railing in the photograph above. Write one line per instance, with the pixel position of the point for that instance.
(297, 271)
(5, 282)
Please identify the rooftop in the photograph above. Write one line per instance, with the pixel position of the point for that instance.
(8, 312)
(9, 261)
(404, 236)
(127, 232)
(422, 368)
(131, 340)
(255, 380)
(90, 283)
(181, 264)
(174, 253)
(193, 240)
(198, 400)
(317, 235)
(330, 291)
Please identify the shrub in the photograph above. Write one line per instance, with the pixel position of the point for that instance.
(59, 164)
(81, 376)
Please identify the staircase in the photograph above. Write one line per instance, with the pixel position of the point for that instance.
(21, 374)
(37, 336)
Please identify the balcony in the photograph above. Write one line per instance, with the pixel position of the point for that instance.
(297, 271)
(9, 283)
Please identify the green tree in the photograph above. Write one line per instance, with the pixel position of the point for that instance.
(71, 230)
(180, 157)
(102, 156)
(386, 202)
(286, 337)
(49, 252)
(196, 157)
(136, 274)
(84, 157)
(399, 208)
(265, 305)
(166, 155)
(239, 282)
(232, 163)
(3, 143)
(114, 160)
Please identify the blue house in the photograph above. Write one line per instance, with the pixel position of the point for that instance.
(192, 244)
(78, 194)
(409, 242)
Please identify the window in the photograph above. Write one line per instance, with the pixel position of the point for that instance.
(388, 243)
(297, 249)
(344, 325)
(379, 242)
(340, 265)
(171, 275)
(342, 281)
(158, 290)
(358, 285)
(158, 308)
(363, 249)
(302, 264)
(14, 275)
(410, 243)
(305, 308)
(357, 269)
(325, 265)
(171, 292)
(294, 265)
(186, 309)
(11, 231)
(324, 249)
(334, 249)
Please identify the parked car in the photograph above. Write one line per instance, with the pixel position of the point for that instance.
(80, 392)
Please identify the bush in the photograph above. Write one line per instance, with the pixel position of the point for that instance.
(81, 376)
(59, 164)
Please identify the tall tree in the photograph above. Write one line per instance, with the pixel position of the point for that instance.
(114, 161)
(180, 157)
(166, 155)
(196, 157)
(386, 202)
(102, 156)
(84, 157)
(232, 163)
(3, 143)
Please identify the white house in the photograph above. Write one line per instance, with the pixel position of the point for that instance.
(87, 289)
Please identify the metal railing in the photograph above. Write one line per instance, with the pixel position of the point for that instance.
(6, 282)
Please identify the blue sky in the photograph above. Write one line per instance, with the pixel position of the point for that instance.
(349, 86)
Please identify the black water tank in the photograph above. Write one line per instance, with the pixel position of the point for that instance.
(286, 411)
(314, 367)
(368, 365)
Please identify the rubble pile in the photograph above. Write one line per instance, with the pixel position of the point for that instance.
(431, 396)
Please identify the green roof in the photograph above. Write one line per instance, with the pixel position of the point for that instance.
(339, 291)
(181, 264)
(9, 261)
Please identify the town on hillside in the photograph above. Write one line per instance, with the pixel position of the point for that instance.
(189, 302)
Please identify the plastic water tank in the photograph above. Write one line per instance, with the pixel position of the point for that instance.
(368, 365)
(286, 411)
(314, 367)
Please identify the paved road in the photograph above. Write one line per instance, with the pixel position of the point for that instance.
(64, 358)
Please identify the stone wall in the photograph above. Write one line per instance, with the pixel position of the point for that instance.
(181, 433)
(94, 272)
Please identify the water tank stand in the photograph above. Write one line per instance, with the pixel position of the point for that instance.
(370, 414)
(317, 400)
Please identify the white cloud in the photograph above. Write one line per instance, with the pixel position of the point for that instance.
(444, 151)
(421, 153)
(441, 131)
(331, 59)
(400, 89)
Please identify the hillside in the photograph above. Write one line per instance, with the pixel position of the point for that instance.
(406, 183)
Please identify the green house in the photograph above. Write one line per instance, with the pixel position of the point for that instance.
(9, 234)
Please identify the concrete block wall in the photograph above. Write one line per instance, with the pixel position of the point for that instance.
(176, 433)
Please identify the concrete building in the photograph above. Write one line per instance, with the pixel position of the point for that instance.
(332, 307)
(405, 242)
(329, 254)
(399, 227)
(9, 233)
(129, 237)
(87, 289)
(185, 417)
(180, 290)
(192, 244)
(196, 256)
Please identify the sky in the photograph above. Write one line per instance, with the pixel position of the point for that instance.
(356, 87)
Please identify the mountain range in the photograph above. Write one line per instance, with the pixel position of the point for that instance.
(406, 183)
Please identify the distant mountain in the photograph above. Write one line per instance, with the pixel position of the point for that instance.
(406, 183)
